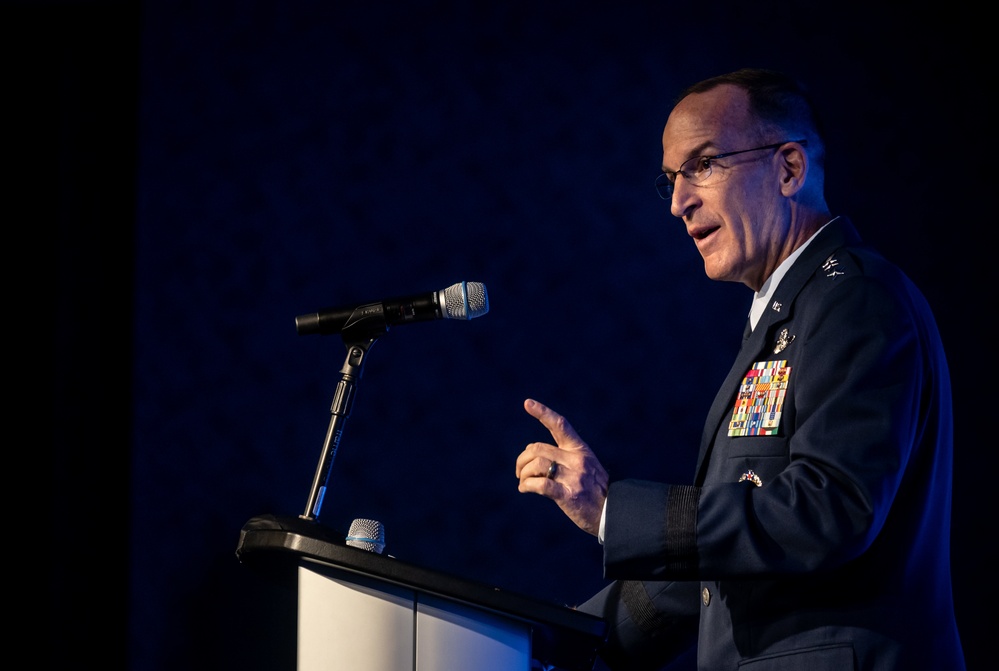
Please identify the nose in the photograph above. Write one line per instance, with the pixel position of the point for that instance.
(684, 198)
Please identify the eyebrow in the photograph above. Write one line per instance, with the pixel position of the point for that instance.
(697, 151)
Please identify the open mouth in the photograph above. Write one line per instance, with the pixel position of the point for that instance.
(701, 233)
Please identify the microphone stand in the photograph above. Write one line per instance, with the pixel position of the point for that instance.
(358, 339)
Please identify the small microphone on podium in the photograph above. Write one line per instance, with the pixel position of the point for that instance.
(367, 535)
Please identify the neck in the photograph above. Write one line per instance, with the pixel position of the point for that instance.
(800, 230)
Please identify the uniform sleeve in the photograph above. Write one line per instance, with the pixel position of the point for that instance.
(652, 623)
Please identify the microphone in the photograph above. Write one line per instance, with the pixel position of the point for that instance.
(367, 535)
(463, 300)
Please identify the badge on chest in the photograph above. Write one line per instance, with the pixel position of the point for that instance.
(760, 400)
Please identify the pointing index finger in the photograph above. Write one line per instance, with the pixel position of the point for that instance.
(557, 425)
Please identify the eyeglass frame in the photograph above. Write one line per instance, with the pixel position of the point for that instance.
(663, 181)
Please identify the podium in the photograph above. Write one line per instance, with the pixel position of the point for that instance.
(361, 610)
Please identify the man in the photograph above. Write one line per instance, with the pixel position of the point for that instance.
(816, 532)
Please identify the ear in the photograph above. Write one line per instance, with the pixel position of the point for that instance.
(793, 167)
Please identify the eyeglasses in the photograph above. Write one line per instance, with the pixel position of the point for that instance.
(697, 170)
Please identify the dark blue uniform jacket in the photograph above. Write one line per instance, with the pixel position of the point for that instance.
(816, 533)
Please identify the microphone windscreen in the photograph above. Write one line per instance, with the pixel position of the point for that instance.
(464, 300)
(367, 535)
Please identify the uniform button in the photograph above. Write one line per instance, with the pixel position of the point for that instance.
(705, 596)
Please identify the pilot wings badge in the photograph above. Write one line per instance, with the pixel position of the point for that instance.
(783, 340)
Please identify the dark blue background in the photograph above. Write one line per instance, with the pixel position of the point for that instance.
(199, 173)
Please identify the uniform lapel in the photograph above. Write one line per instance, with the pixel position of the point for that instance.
(725, 398)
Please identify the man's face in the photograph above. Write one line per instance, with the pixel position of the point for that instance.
(737, 217)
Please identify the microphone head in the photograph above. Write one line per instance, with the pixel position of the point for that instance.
(464, 300)
(367, 535)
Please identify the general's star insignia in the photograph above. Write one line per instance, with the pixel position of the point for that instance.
(830, 265)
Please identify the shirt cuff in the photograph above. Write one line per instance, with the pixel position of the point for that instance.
(603, 519)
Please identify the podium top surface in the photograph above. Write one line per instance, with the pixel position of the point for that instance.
(561, 636)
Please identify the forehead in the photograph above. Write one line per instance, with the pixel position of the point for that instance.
(716, 119)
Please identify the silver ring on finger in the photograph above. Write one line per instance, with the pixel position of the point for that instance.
(552, 470)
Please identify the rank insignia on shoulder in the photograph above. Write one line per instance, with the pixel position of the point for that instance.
(830, 266)
(783, 340)
(749, 476)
